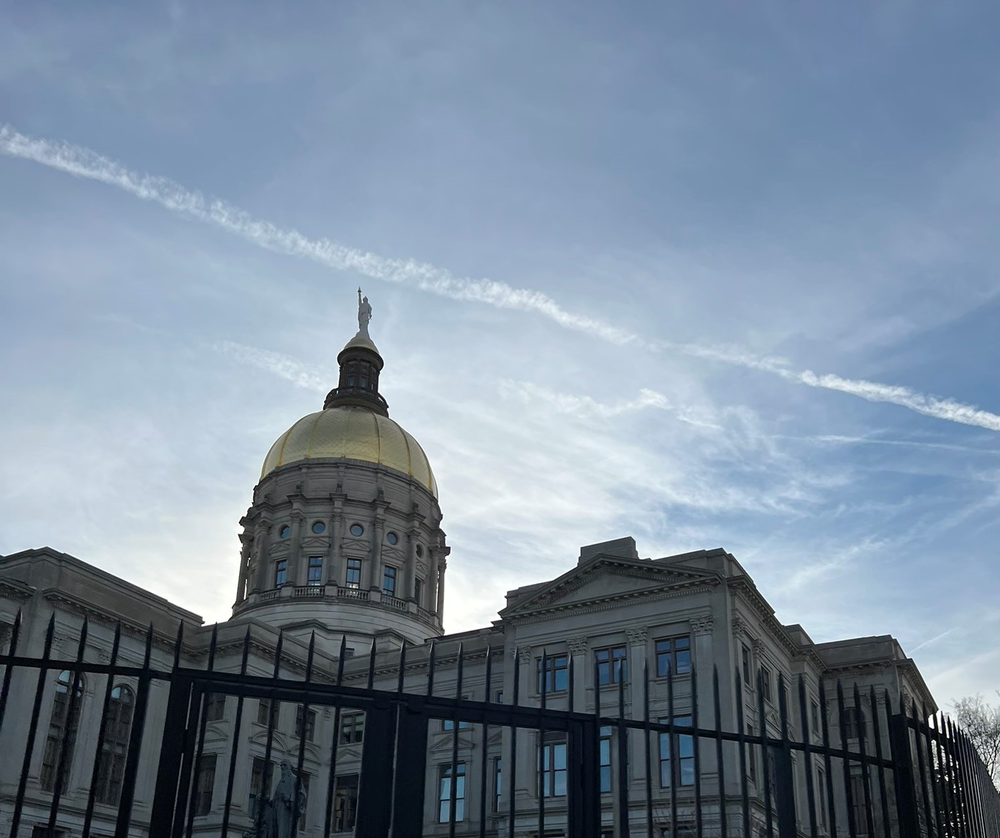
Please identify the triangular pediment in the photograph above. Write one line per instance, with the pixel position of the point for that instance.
(606, 579)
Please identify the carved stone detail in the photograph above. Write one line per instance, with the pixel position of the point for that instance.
(758, 647)
(578, 645)
(637, 635)
(524, 654)
(702, 625)
(739, 628)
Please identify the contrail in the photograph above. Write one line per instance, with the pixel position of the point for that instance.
(82, 162)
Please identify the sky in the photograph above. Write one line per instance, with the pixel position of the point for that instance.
(710, 275)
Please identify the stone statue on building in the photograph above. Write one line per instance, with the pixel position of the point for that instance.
(278, 816)
(364, 314)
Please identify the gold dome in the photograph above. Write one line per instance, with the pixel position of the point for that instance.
(352, 433)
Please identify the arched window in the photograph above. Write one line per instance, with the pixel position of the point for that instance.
(117, 727)
(62, 730)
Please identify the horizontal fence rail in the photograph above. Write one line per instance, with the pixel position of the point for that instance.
(141, 744)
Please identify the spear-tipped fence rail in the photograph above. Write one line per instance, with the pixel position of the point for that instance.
(911, 774)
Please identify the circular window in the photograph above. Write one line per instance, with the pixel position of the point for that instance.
(285, 531)
(392, 538)
(357, 530)
(420, 550)
(319, 527)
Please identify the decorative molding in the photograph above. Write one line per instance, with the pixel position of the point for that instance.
(578, 645)
(637, 635)
(758, 647)
(524, 654)
(702, 625)
(697, 586)
(739, 628)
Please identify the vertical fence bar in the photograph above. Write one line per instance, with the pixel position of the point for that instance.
(807, 754)
(646, 749)
(785, 779)
(902, 773)
(827, 761)
(929, 779)
(235, 741)
(623, 819)
(202, 725)
(765, 755)
(852, 827)
(484, 759)
(696, 741)
(36, 710)
(541, 752)
(512, 779)
(453, 801)
(331, 780)
(672, 742)
(882, 791)
(865, 774)
(88, 816)
(303, 730)
(963, 802)
(743, 754)
(68, 731)
(717, 705)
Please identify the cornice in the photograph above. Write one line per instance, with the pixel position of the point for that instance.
(15, 592)
(752, 598)
(702, 585)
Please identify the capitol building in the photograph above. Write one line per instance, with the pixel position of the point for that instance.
(342, 547)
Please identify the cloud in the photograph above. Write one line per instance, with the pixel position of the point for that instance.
(284, 366)
(82, 162)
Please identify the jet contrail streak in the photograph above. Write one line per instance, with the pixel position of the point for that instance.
(82, 162)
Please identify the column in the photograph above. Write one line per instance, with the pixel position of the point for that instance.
(409, 569)
(241, 587)
(442, 566)
(432, 579)
(336, 533)
(638, 643)
(262, 544)
(378, 539)
(703, 661)
(578, 648)
(296, 567)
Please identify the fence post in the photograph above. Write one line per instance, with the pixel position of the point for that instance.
(903, 775)
(583, 781)
(785, 792)
(376, 771)
(168, 773)
(411, 768)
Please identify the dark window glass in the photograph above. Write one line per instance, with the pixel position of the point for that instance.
(280, 572)
(420, 550)
(315, 571)
(418, 590)
(765, 678)
(553, 769)
(444, 793)
(352, 728)
(117, 727)
(556, 677)
(751, 758)
(285, 531)
(499, 696)
(389, 580)
(747, 669)
(673, 652)
(345, 803)
(605, 743)
(612, 665)
(448, 724)
(680, 770)
(257, 783)
(815, 719)
(264, 712)
(354, 573)
(497, 782)
(357, 530)
(392, 538)
(216, 707)
(319, 527)
(203, 785)
(310, 723)
(62, 730)
(853, 722)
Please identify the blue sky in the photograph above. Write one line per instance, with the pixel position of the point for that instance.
(707, 275)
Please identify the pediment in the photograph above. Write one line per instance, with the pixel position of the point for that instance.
(606, 580)
(356, 547)
(317, 542)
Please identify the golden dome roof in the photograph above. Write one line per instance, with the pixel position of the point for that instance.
(351, 433)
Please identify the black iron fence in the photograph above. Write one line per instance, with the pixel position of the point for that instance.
(402, 763)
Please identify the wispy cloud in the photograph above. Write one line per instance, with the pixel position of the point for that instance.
(284, 366)
(82, 162)
(934, 639)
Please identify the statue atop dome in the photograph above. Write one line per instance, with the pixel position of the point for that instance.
(364, 315)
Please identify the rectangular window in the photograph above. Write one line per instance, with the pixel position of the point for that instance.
(556, 676)
(858, 811)
(352, 728)
(552, 761)
(605, 745)
(264, 712)
(747, 669)
(353, 573)
(280, 572)
(680, 770)
(203, 785)
(444, 793)
(418, 590)
(815, 719)
(497, 782)
(315, 571)
(345, 803)
(765, 680)
(215, 710)
(612, 665)
(256, 783)
(751, 758)
(853, 722)
(310, 723)
(389, 580)
(448, 724)
(673, 653)
(499, 696)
